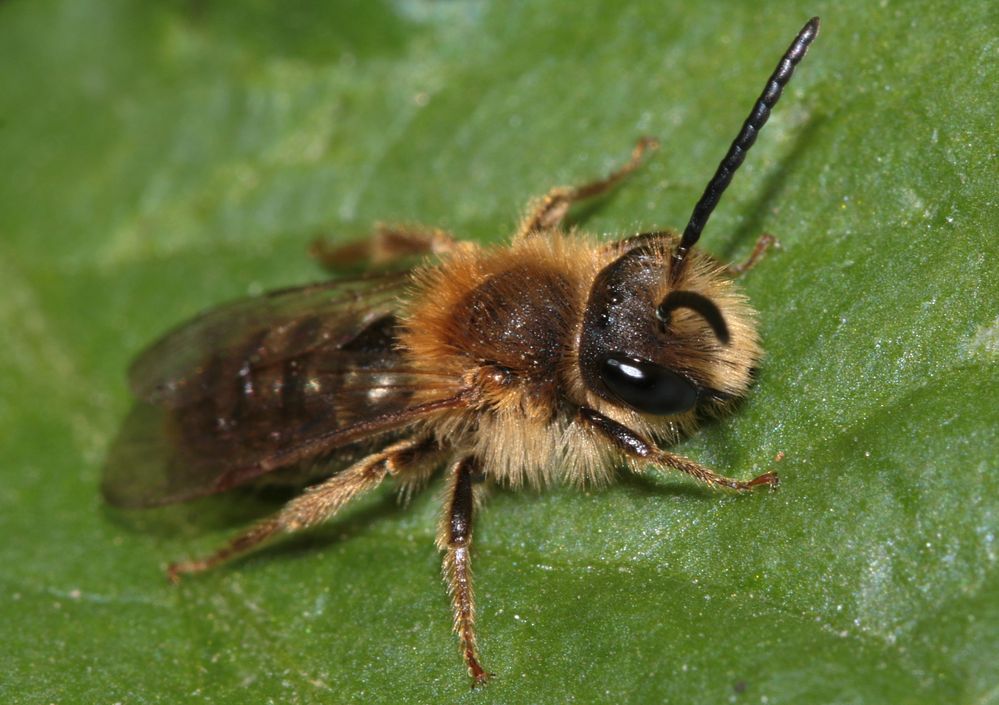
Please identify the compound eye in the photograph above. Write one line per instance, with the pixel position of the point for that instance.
(646, 386)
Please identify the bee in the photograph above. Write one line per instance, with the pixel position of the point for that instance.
(555, 358)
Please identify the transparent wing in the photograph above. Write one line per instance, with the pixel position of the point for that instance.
(189, 362)
(303, 376)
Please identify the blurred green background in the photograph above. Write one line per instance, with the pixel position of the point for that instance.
(162, 157)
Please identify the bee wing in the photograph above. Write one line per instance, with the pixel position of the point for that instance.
(183, 365)
(264, 384)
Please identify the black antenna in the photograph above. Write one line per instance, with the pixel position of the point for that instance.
(747, 136)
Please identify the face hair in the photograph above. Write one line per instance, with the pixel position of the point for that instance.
(744, 140)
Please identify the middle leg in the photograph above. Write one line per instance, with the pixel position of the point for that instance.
(551, 209)
(454, 537)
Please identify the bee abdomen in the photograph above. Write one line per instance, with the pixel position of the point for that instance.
(275, 384)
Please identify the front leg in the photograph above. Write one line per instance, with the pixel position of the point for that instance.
(454, 537)
(634, 446)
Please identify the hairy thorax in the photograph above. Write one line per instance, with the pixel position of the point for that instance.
(505, 325)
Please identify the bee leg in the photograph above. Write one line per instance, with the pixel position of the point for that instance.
(318, 503)
(454, 537)
(388, 243)
(763, 243)
(550, 210)
(637, 448)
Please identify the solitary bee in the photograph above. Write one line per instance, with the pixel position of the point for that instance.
(552, 359)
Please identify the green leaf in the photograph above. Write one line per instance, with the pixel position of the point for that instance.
(163, 157)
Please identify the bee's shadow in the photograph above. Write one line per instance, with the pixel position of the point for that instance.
(339, 529)
(770, 195)
(655, 484)
(238, 511)
(231, 510)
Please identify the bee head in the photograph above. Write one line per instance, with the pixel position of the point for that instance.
(660, 343)
(663, 329)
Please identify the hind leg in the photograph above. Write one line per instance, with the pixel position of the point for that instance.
(387, 244)
(319, 503)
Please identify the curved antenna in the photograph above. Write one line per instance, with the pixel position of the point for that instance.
(701, 305)
(758, 117)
